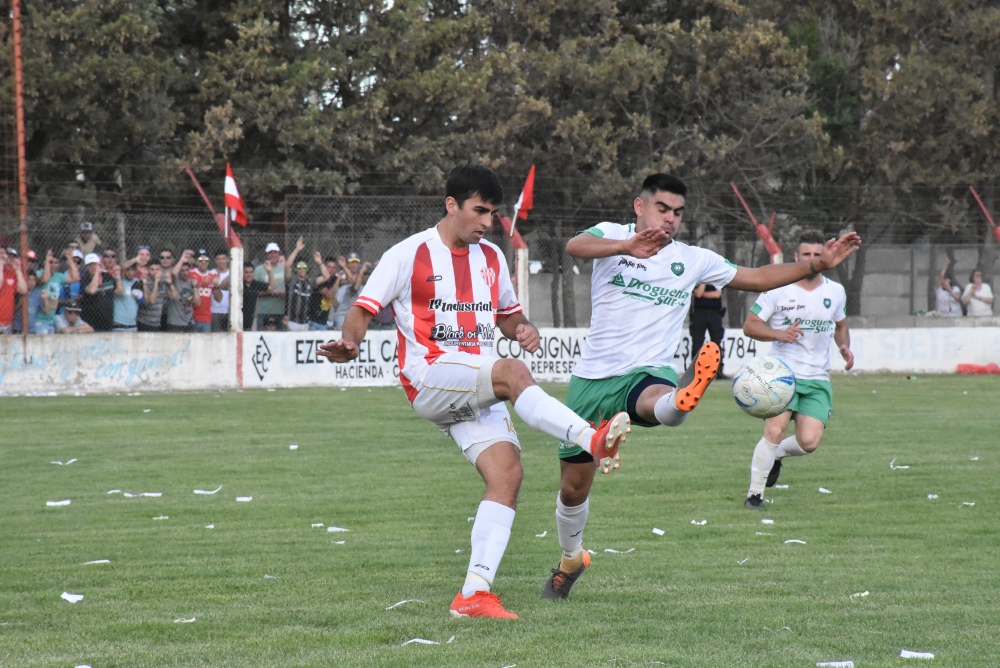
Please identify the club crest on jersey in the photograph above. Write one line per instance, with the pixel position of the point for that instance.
(677, 268)
(489, 275)
(827, 302)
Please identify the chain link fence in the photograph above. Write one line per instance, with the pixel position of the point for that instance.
(894, 279)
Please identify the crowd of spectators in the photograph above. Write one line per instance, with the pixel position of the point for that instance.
(90, 287)
(951, 300)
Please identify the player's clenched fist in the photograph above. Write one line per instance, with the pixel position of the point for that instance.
(527, 337)
(339, 351)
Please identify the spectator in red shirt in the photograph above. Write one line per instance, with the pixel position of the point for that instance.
(205, 281)
(12, 283)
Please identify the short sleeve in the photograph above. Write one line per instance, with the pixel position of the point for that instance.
(763, 308)
(615, 231)
(387, 282)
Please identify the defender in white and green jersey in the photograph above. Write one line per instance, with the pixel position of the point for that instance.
(641, 289)
(800, 319)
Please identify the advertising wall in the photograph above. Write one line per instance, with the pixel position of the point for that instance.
(123, 362)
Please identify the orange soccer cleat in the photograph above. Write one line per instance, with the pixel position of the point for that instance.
(480, 604)
(706, 367)
(608, 437)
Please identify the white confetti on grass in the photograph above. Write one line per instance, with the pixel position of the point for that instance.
(336, 529)
(766, 521)
(161, 517)
(317, 524)
(781, 486)
(210, 526)
(836, 664)
(824, 490)
(244, 499)
(183, 620)
(743, 561)
(293, 446)
(65, 463)
(422, 641)
(932, 496)
(114, 491)
(58, 503)
(795, 540)
(96, 561)
(968, 503)
(131, 495)
(407, 600)
(206, 491)
(658, 532)
(860, 594)
(700, 523)
(973, 459)
(907, 654)
(614, 551)
(72, 598)
(542, 535)
(893, 466)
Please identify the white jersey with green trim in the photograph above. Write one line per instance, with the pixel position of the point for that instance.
(817, 312)
(639, 306)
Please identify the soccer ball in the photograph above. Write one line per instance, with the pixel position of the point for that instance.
(764, 387)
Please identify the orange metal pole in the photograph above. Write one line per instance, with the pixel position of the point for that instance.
(22, 169)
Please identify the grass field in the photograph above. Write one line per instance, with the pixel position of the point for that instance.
(267, 588)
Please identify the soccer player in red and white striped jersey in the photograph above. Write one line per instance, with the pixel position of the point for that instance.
(452, 297)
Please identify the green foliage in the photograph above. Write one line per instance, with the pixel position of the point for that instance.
(713, 595)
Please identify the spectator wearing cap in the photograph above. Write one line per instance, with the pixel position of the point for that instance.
(97, 296)
(70, 321)
(129, 295)
(271, 302)
(182, 299)
(300, 294)
(205, 281)
(220, 296)
(87, 241)
(12, 283)
(149, 317)
(348, 294)
(252, 289)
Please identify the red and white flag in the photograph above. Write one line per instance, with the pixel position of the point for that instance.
(235, 211)
(526, 201)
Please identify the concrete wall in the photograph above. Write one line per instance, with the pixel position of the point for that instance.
(120, 362)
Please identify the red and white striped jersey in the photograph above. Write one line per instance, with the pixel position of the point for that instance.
(444, 300)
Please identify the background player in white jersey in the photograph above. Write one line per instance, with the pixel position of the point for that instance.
(800, 318)
(450, 291)
(641, 289)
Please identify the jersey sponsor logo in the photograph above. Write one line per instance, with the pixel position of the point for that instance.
(677, 268)
(482, 334)
(653, 293)
(431, 279)
(790, 307)
(818, 326)
(489, 275)
(629, 263)
(459, 307)
(618, 280)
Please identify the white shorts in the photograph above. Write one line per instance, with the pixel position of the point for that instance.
(456, 394)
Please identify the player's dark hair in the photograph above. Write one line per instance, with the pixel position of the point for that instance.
(812, 237)
(474, 179)
(668, 183)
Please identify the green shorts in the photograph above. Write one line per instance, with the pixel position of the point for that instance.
(813, 398)
(596, 400)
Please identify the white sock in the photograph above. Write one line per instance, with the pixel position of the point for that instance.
(570, 520)
(790, 448)
(490, 533)
(666, 411)
(548, 415)
(761, 464)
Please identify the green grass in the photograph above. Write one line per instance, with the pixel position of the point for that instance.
(368, 463)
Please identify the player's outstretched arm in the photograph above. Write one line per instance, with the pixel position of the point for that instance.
(351, 335)
(647, 243)
(768, 277)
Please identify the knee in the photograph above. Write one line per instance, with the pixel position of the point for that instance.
(574, 487)
(809, 443)
(510, 378)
